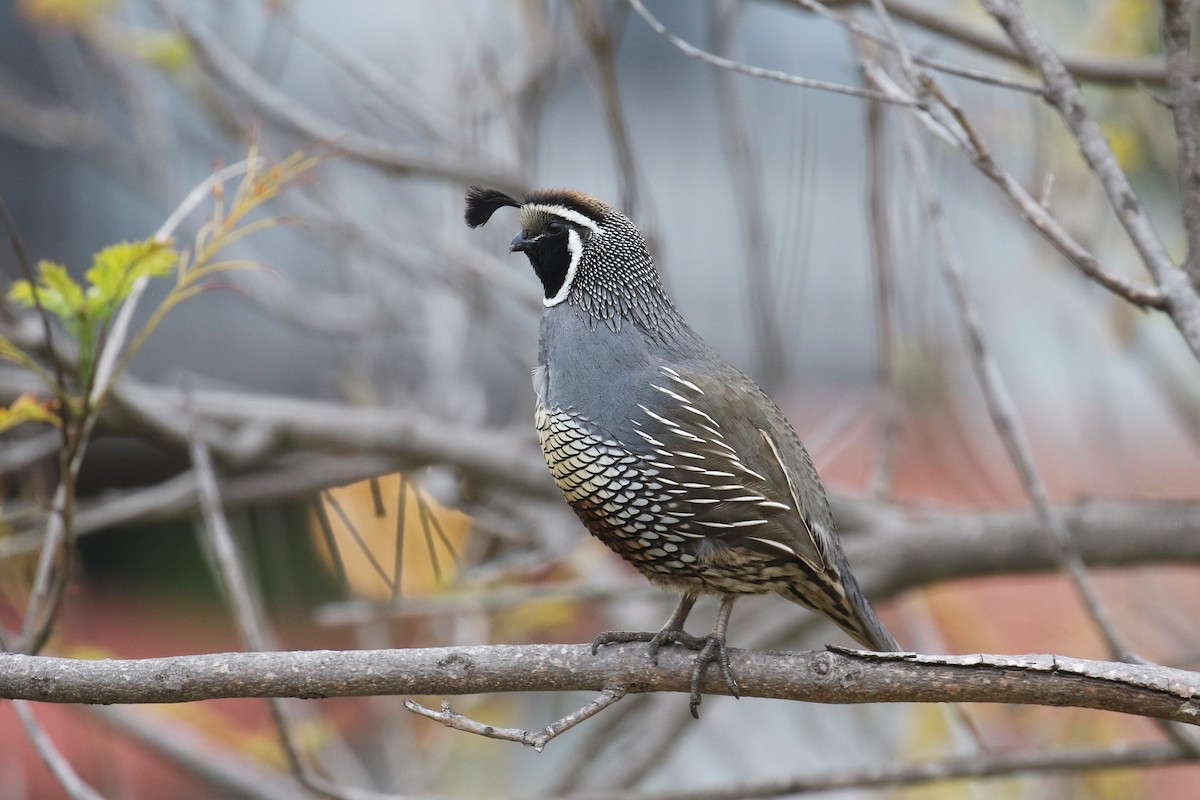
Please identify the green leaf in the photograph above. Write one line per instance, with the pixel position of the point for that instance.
(116, 268)
(57, 292)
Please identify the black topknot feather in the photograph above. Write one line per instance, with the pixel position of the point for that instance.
(482, 202)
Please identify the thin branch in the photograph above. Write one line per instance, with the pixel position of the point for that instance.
(38, 120)
(507, 458)
(230, 772)
(819, 677)
(224, 65)
(1065, 95)
(1000, 405)
(1183, 84)
(114, 344)
(887, 392)
(54, 562)
(865, 34)
(939, 20)
(894, 776)
(601, 34)
(178, 497)
(247, 609)
(535, 739)
(1036, 213)
(59, 767)
(1006, 420)
(746, 175)
(757, 72)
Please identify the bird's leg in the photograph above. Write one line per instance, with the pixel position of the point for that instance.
(713, 649)
(672, 632)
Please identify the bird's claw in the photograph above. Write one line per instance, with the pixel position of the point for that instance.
(712, 649)
(655, 640)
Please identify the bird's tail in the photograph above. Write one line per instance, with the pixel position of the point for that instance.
(836, 594)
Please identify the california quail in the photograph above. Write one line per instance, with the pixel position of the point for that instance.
(669, 455)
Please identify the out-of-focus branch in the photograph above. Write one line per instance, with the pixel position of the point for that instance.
(246, 428)
(1064, 94)
(939, 20)
(894, 776)
(745, 173)
(1002, 409)
(601, 25)
(834, 676)
(1014, 542)
(224, 65)
(40, 121)
(1184, 86)
(246, 604)
(769, 74)
(177, 497)
(230, 772)
(865, 34)
(59, 766)
(887, 392)
(1037, 214)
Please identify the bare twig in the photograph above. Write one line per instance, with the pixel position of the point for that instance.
(887, 393)
(535, 739)
(244, 601)
(41, 121)
(1000, 405)
(894, 776)
(59, 767)
(937, 19)
(757, 72)
(231, 773)
(745, 172)
(1038, 215)
(866, 34)
(1064, 94)
(224, 64)
(1182, 83)
(114, 343)
(600, 25)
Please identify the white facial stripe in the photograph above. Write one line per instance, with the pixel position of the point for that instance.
(568, 214)
(575, 248)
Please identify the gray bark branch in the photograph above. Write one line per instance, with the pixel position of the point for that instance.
(834, 676)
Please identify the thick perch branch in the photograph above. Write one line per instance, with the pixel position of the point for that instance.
(835, 676)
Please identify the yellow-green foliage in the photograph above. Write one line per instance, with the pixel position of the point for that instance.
(85, 312)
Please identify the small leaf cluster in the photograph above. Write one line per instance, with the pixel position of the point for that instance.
(86, 311)
(89, 313)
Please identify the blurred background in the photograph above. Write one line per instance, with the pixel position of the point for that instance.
(383, 340)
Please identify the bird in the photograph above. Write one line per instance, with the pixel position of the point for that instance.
(668, 454)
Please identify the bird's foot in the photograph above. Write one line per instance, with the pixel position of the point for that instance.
(655, 640)
(712, 650)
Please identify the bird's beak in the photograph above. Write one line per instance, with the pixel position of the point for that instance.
(519, 243)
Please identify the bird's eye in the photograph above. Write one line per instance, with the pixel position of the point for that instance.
(556, 228)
